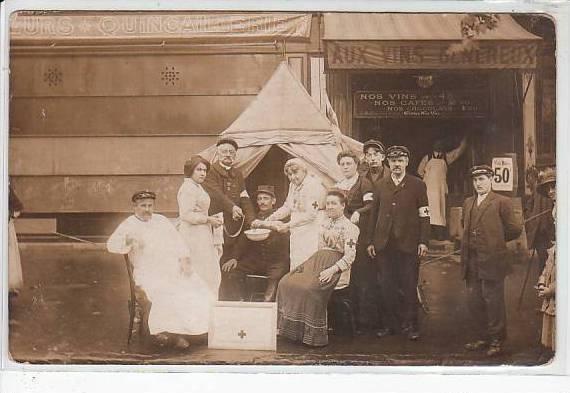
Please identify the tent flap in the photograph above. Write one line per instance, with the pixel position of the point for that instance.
(284, 115)
(282, 104)
(321, 161)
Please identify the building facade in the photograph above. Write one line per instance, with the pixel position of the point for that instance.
(102, 104)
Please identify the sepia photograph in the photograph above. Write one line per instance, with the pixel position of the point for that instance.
(282, 188)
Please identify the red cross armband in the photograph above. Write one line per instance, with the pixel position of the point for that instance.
(423, 211)
(315, 205)
(351, 243)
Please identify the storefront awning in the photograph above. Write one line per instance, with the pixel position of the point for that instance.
(397, 40)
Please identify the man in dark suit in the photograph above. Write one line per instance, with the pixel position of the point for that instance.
(226, 187)
(269, 257)
(398, 235)
(489, 223)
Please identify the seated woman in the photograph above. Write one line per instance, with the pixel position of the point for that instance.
(362, 292)
(359, 196)
(303, 294)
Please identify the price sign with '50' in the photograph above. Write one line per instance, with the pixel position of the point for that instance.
(503, 174)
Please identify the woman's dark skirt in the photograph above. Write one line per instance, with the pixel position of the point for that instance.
(302, 300)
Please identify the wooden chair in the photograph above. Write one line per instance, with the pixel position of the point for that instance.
(256, 285)
(139, 306)
(341, 314)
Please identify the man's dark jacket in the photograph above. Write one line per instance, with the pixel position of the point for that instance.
(399, 215)
(226, 189)
(487, 232)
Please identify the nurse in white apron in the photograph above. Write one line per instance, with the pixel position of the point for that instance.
(303, 205)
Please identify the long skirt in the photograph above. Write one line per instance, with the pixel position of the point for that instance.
(302, 300)
(548, 338)
(15, 278)
(204, 256)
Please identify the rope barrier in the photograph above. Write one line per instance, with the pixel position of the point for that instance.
(458, 251)
(72, 237)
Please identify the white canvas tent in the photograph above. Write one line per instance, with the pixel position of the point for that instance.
(284, 115)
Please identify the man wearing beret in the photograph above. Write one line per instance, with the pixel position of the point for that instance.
(269, 257)
(488, 224)
(226, 186)
(398, 235)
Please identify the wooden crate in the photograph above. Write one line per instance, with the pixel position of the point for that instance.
(243, 325)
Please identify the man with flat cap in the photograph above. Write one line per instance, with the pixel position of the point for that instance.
(170, 299)
(226, 186)
(398, 235)
(369, 313)
(489, 223)
(269, 257)
(374, 154)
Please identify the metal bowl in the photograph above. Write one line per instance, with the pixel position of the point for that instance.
(257, 234)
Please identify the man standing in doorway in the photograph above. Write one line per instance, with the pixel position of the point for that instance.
(489, 223)
(433, 169)
(397, 237)
(226, 186)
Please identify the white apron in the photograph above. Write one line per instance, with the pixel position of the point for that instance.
(304, 241)
(194, 202)
(435, 178)
(180, 302)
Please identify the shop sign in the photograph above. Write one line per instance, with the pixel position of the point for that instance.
(431, 55)
(503, 169)
(163, 25)
(399, 104)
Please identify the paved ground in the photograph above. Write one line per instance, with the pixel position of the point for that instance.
(74, 310)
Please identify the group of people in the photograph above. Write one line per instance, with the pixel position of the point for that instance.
(361, 239)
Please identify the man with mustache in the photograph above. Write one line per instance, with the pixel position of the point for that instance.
(269, 257)
(489, 223)
(171, 301)
(397, 237)
(226, 186)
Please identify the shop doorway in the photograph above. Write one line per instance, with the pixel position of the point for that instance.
(420, 134)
